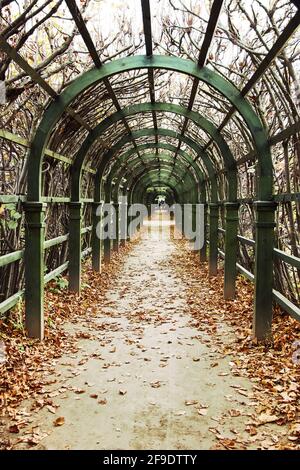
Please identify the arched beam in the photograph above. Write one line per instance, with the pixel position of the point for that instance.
(130, 167)
(200, 121)
(94, 76)
(122, 162)
(35, 210)
(166, 132)
(122, 171)
(156, 166)
(109, 155)
(152, 175)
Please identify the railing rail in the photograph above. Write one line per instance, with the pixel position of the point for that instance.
(291, 260)
(11, 301)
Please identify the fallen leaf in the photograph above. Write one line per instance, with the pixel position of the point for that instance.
(155, 384)
(14, 429)
(251, 430)
(59, 421)
(267, 418)
(52, 409)
(179, 413)
(103, 401)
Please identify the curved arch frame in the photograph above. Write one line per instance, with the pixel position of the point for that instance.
(163, 167)
(198, 119)
(121, 162)
(152, 157)
(35, 209)
(136, 163)
(205, 158)
(93, 76)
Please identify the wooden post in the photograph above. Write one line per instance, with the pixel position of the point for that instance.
(203, 255)
(117, 234)
(75, 247)
(107, 239)
(34, 268)
(96, 238)
(231, 248)
(123, 222)
(213, 238)
(264, 251)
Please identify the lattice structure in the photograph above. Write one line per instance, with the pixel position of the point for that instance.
(117, 129)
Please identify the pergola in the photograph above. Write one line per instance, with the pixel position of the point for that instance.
(142, 159)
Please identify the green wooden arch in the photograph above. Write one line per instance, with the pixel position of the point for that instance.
(137, 169)
(167, 188)
(116, 170)
(198, 119)
(95, 75)
(140, 182)
(146, 132)
(34, 262)
(151, 176)
(122, 161)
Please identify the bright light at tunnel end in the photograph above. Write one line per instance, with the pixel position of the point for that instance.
(122, 221)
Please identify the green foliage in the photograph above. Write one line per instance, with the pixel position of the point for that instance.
(11, 220)
(16, 318)
(61, 283)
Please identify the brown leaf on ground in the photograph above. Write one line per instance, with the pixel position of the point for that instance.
(59, 421)
(191, 402)
(103, 401)
(155, 384)
(14, 429)
(265, 418)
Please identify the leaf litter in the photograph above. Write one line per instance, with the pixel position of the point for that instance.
(275, 377)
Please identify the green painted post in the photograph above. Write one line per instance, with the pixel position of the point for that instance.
(107, 240)
(34, 268)
(117, 234)
(75, 247)
(194, 222)
(213, 238)
(123, 222)
(264, 249)
(128, 220)
(96, 239)
(203, 254)
(231, 248)
(178, 218)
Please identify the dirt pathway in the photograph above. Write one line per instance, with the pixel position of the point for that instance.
(145, 376)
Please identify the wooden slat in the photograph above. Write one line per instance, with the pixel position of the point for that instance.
(9, 136)
(11, 257)
(287, 305)
(11, 301)
(289, 259)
